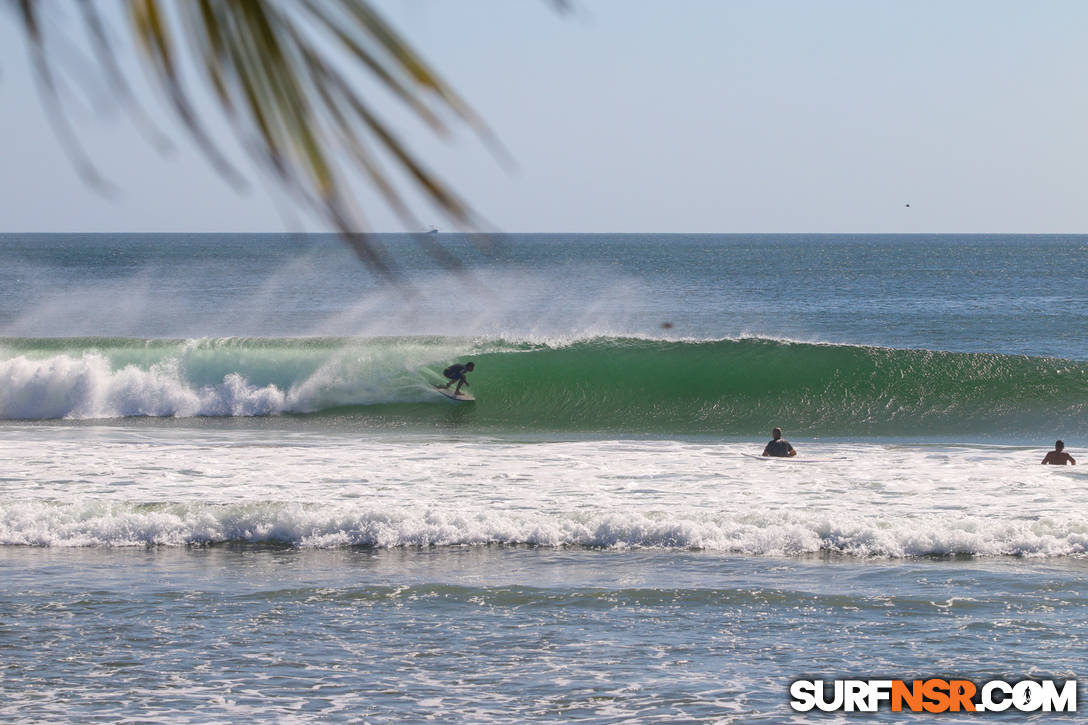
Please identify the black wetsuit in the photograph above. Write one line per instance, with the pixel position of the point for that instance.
(456, 372)
(780, 448)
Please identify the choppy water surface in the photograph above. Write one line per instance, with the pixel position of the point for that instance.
(498, 633)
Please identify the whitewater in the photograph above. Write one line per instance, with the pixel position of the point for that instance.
(859, 500)
(229, 491)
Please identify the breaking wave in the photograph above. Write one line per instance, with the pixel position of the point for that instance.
(332, 525)
(599, 385)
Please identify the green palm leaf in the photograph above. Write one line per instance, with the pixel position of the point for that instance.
(278, 70)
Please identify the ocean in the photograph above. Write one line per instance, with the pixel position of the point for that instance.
(230, 491)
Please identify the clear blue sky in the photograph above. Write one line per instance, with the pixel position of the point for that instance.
(655, 116)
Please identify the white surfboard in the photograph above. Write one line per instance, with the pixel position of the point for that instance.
(461, 397)
(792, 459)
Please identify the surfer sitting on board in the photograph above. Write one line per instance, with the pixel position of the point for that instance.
(456, 374)
(1058, 456)
(779, 447)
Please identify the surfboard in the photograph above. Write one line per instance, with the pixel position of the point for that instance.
(460, 397)
(792, 459)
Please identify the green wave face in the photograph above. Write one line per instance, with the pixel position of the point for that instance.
(625, 385)
(748, 386)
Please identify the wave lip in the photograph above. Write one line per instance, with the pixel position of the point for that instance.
(333, 526)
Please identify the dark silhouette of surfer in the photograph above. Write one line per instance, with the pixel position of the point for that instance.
(1058, 456)
(779, 447)
(456, 374)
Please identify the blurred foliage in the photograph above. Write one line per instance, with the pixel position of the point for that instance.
(280, 70)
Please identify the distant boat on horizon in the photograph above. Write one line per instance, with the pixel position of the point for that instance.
(432, 230)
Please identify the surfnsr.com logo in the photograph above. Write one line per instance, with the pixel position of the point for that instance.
(934, 695)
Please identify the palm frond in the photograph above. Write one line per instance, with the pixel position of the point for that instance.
(107, 60)
(47, 88)
(279, 70)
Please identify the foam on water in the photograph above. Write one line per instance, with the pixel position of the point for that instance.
(776, 534)
(88, 387)
(112, 378)
(117, 489)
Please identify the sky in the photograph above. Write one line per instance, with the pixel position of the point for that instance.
(647, 116)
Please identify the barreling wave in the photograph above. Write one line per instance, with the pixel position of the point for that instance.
(625, 385)
(336, 525)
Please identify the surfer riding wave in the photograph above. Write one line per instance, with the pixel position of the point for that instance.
(456, 374)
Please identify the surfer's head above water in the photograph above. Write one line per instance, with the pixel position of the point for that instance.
(779, 447)
(470, 365)
(1058, 456)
